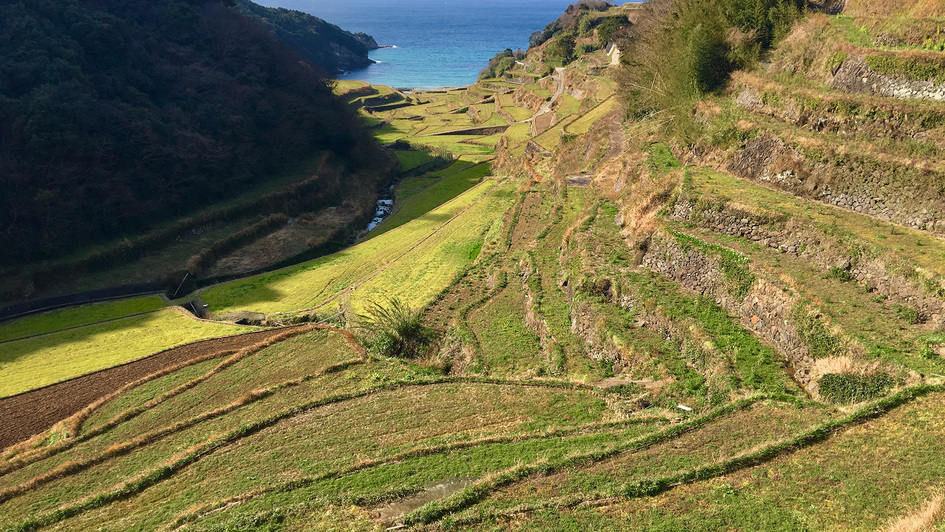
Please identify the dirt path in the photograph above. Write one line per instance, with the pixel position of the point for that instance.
(559, 77)
(30, 413)
(544, 119)
(617, 137)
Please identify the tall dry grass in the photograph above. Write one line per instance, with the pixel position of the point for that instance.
(922, 519)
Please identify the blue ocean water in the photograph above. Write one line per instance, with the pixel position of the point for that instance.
(438, 43)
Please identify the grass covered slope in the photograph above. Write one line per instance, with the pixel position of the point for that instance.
(684, 317)
(55, 356)
(454, 226)
(77, 316)
(307, 390)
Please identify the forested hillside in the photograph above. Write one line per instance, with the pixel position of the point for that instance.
(321, 43)
(116, 115)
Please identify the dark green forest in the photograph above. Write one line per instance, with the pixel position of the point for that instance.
(116, 115)
(319, 42)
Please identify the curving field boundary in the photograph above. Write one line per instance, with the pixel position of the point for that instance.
(30, 413)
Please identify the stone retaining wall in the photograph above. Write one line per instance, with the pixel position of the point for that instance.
(895, 193)
(854, 75)
(765, 311)
(792, 237)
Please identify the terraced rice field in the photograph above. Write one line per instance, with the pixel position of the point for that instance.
(34, 362)
(309, 285)
(75, 316)
(288, 393)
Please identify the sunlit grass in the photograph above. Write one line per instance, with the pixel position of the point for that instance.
(36, 362)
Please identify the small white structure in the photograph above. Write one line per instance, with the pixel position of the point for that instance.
(613, 53)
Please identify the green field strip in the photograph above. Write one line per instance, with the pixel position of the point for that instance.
(494, 121)
(457, 166)
(431, 196)
(505, 344)
(485, 112)
(518, 113)
(417, 452)
(454, 144)
(914, 245)
(538, 90)
(112, 410)
(467, 497)
(77, 316)
(506, 100)
(118, 443)
(389, 482)
(134, 401)
(518, 133)
(309, 284)
(574, 124)
(155, 475)
(412, 159)
(269, 368)
(490, 141)
(731, 435)
(424, 270)
(653, 486)
(816, 459)
(584, 123)
(549, 139)
(479, 157)
(43, 360)
(606, 88)
(342, 85)
(569, 106)
(567, 409)
(106, 461)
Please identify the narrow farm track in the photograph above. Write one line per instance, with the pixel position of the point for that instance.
(30, 413)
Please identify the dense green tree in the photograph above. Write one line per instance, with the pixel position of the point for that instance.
(681, 49)
(118, 114)
(563, 47)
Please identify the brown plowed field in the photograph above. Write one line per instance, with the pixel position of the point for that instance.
(30, 413)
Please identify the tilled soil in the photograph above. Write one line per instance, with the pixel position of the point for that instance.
(29, 413)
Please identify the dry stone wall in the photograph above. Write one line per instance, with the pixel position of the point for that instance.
(765, 311)
(854, 75)
(878, 120)
(901, 194)
(801, 240)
